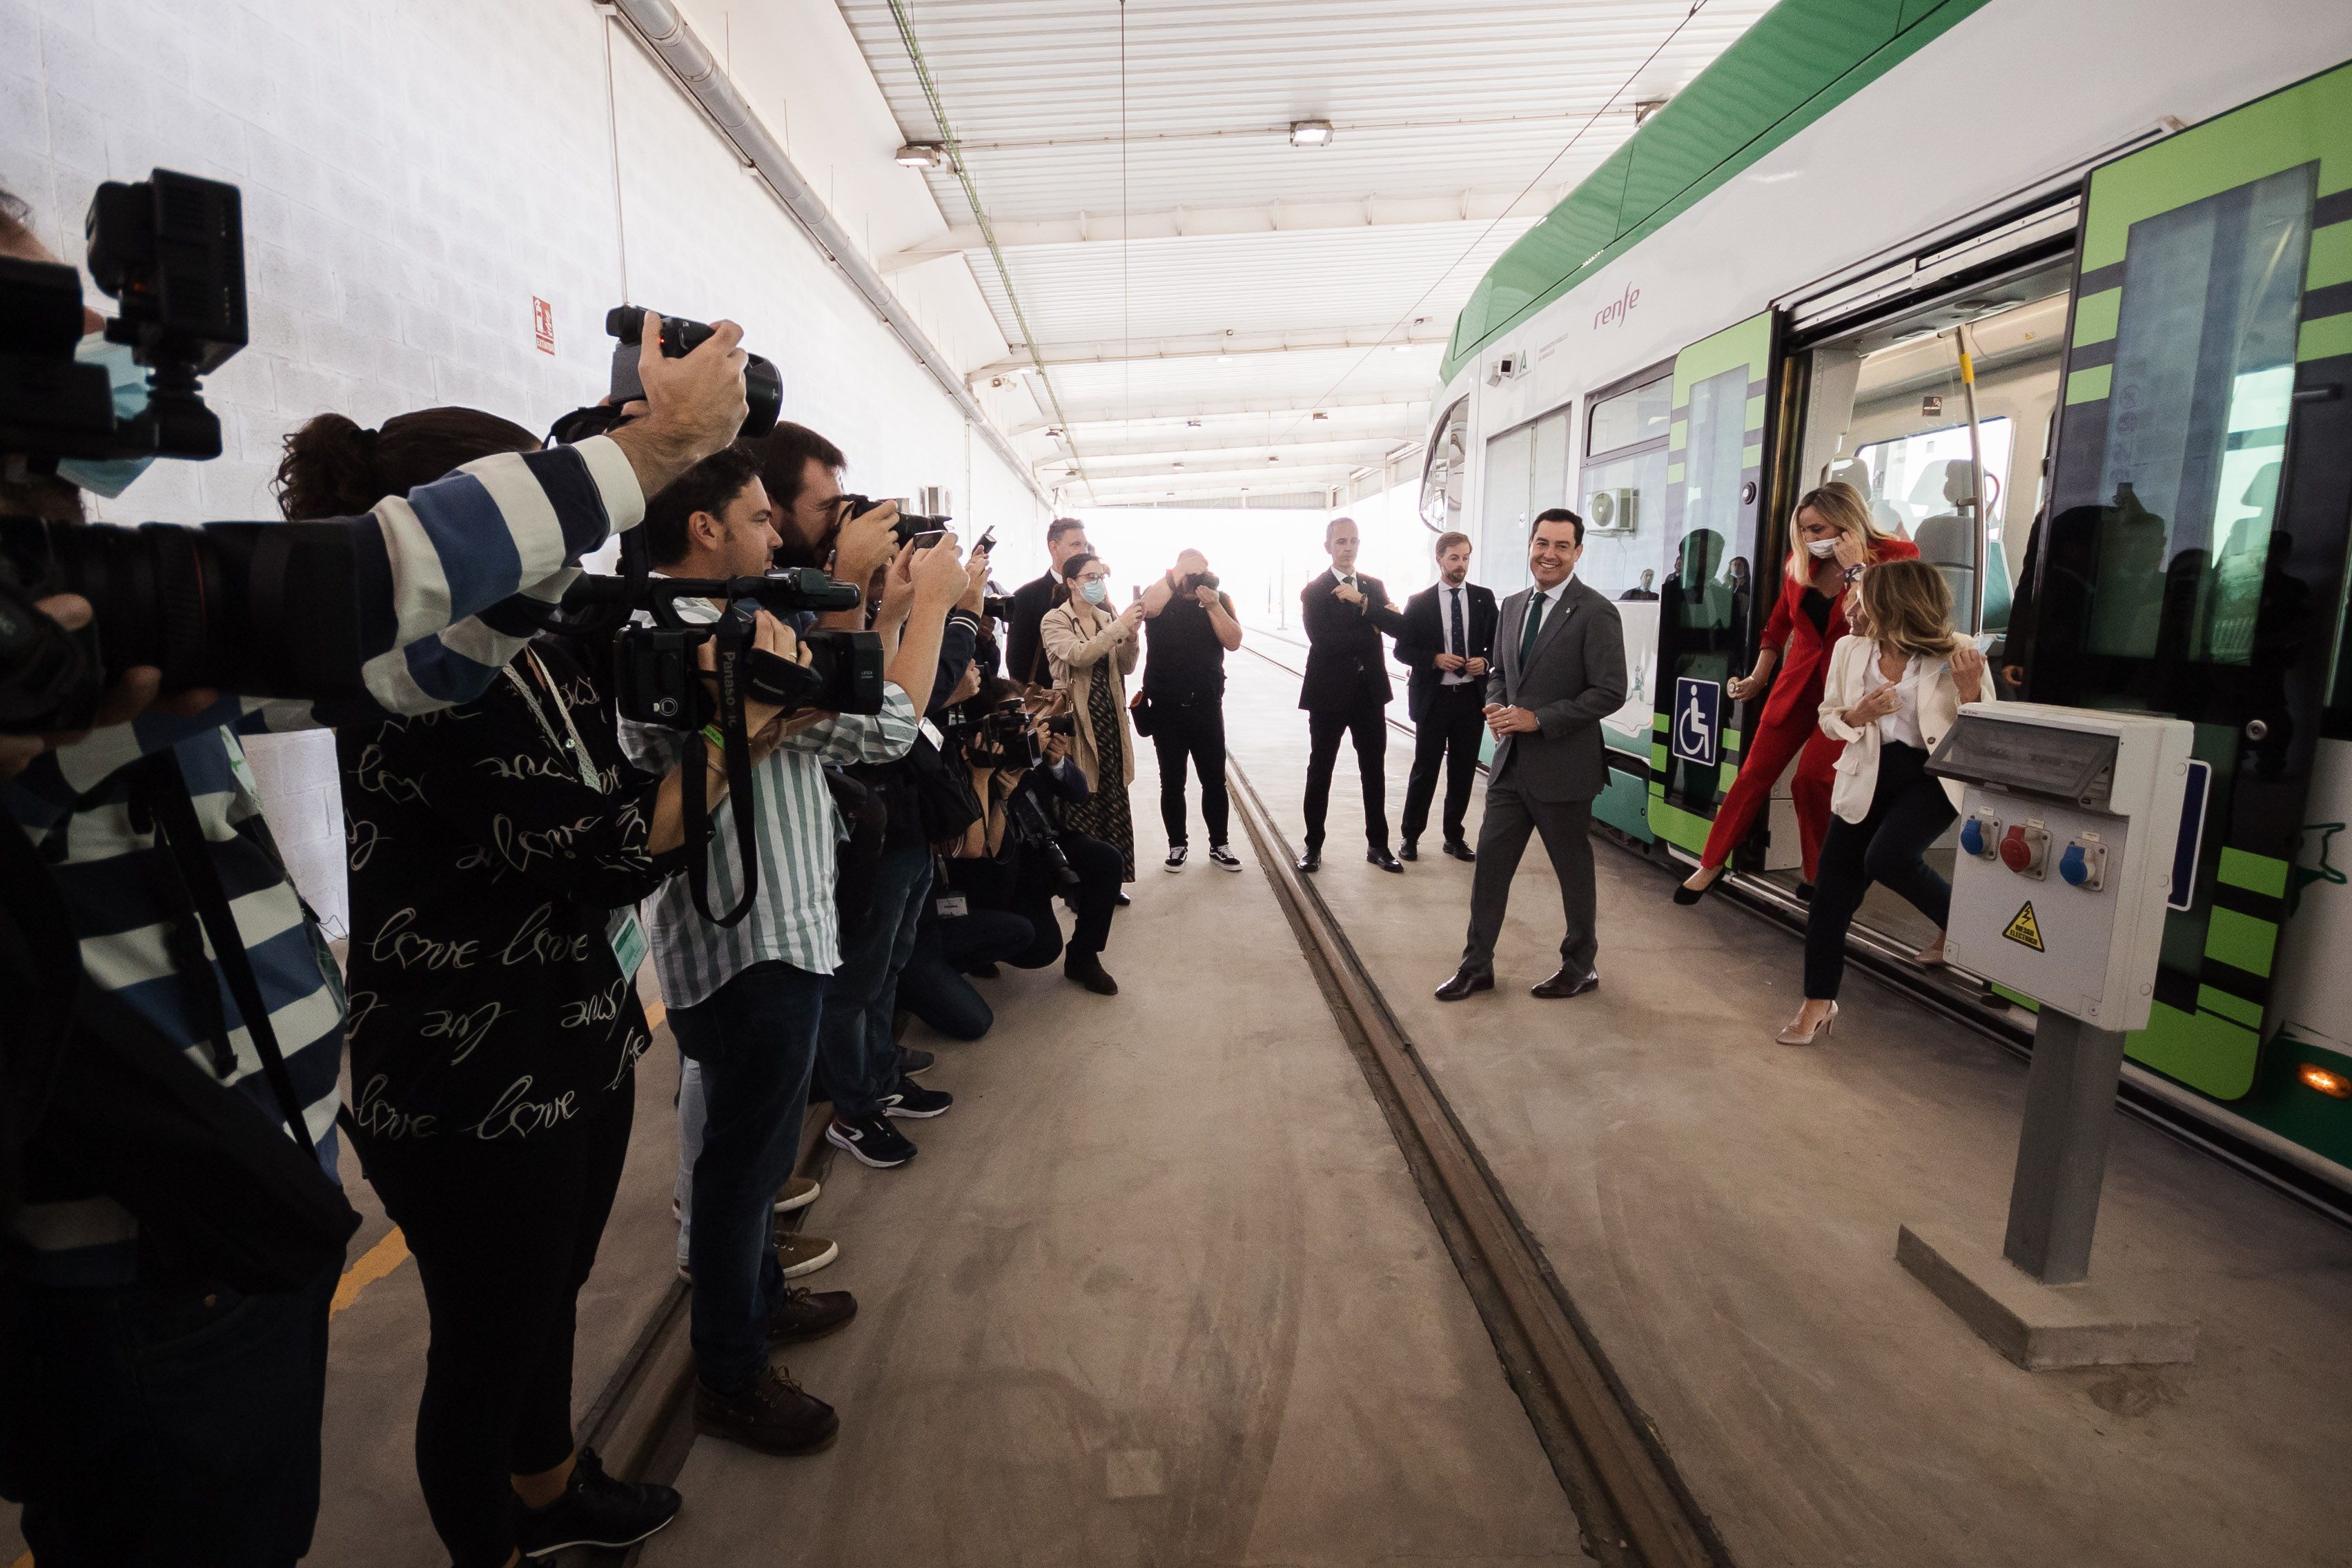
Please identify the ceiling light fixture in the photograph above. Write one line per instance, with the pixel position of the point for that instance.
(922, 155)
(1310, 133)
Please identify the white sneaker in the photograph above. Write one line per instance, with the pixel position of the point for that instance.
(1221, 855)
(1175, 861)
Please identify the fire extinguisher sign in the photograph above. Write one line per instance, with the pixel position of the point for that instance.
(543, 325)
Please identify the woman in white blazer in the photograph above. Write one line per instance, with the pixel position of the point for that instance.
(1892, 692)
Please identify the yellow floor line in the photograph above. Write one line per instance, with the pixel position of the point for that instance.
(374, 1263)
(655, 1013)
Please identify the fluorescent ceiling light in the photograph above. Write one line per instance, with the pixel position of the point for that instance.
(1310, 133)
(922, 155)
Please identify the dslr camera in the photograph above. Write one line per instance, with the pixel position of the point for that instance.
(256, 609)
(910, 526)
(764, 385)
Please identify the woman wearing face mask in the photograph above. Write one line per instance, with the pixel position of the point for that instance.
(1834, 540)
(1092, 652)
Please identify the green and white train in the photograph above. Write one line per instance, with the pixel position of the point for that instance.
(2065, 286)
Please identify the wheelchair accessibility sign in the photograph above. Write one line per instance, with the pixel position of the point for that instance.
(1697, 706)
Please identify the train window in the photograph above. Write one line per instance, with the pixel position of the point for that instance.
(1919, 487)
(1712, 588)
(2203, 382)
(1624, 488)
(1442, 478)
(1630, 418)
(1527, 472)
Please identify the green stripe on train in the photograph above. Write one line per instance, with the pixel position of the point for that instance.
(2324, 338)
(2203, 1050)
(2090, 385)
(2235, 1008)
(2264, 874)
(2241, 941)
(1682, 829)
(2096, 315)
(2331, 255)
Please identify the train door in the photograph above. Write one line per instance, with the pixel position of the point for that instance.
(1621, 491)
(2194, 559)
(1715, 485)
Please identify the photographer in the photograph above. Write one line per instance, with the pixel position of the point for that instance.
(1191, 626)
(745, 1000)
(1024, 852)
(1092, 652)
(151, 1411)
(493, 1102)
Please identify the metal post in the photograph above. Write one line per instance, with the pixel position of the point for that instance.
(2062, 1155)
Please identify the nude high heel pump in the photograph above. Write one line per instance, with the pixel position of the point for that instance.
(1792, 1035)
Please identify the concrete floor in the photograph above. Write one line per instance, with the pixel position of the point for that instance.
(1724, 1211)
(1158, 1291)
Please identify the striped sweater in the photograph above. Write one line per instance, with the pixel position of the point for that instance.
(429, 565)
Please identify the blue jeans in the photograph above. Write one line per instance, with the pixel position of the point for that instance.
(755, 1041)
(860, 1053)
(932, 984)
(148, 1424)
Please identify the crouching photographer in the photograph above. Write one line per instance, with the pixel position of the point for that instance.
(1024, 854)
(173, 1236)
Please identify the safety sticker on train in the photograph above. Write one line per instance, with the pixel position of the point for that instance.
(2024, 929)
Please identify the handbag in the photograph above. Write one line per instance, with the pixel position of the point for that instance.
(1140, 714)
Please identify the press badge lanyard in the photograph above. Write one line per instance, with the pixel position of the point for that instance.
(621, 930)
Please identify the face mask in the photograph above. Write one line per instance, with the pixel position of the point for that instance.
(111, 475)
(1822, 549)
(1095, 591)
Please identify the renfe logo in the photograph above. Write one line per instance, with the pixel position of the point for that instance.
(1614, 313)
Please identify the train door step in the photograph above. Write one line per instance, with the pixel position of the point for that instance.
(2042, 1328)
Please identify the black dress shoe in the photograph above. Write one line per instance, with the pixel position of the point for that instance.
(1312, 860)
(1466, 981)
(1459, 850)
(1405, 851)
(1378, 856)
(1566, 984)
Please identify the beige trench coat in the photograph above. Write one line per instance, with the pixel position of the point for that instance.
(1083, 646)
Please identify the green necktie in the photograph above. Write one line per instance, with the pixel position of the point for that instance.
(1529, 627)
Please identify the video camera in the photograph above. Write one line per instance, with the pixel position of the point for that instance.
(243, 606)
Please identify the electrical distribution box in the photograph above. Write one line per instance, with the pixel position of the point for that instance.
(2066, 836)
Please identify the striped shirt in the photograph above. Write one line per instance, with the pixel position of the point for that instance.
(449, 550)
(796, 833)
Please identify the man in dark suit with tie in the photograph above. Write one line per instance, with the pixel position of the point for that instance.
(1449, 642)
(1346, 689)
(1560, 671)
(1024, 656)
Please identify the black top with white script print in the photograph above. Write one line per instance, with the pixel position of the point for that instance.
(486, 1002)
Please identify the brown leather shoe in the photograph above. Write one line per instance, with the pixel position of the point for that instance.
(1466, 981)
(804, 1314)
(772, 1415)
(1566, 984)
(1090, 973)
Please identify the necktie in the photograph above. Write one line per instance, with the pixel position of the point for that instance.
(1461, 644)
(1529, 627)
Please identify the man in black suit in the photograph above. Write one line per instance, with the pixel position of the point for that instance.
(1448, 640)
(1346, 689)
(1560, 670)
(1024, 659)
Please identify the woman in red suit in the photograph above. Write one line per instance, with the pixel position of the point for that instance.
(1836, 539)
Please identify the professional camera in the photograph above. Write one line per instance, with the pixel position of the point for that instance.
(245, 607)
(909, 523)
(763, 387)
(996, 606)
(1191, 580)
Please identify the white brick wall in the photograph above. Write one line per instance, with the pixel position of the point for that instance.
(415, 172)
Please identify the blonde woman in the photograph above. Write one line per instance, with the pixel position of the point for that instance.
(1833, 538)
(1092, 652)
(1892, 692)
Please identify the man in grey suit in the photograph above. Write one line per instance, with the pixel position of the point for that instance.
(1560, 670)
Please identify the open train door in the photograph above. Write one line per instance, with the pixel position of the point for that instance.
(2192, 561)
(1706, 605)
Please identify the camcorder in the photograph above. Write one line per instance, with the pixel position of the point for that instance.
(258, 608)
(658, 677)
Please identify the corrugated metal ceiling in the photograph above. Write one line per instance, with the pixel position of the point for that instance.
(1474, 97)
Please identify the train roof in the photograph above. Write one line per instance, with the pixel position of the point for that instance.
(1801, 60)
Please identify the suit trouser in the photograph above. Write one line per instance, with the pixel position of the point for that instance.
(1369, 725)
(1566, 826)
(1448, 730)
(1768, 750)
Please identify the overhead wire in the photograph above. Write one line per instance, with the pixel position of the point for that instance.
(1591, 120)
(953, 147)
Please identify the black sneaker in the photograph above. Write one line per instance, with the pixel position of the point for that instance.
(871, 1139)
(594, 1511)
(913, 1061)
(772, 1415)
(1175, 861)
(913, 1099)
(802, 1314)
(1221, 857)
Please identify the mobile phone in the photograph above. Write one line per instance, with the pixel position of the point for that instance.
(924, 540)
(987, 542)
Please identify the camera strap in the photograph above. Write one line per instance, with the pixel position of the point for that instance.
(159, 791)
(695, 797)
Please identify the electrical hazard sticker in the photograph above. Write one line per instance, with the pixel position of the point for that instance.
(2025, 931)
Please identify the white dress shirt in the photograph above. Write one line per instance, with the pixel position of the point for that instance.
(1446, 609)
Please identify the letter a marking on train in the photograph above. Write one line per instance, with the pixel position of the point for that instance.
(2024, 929)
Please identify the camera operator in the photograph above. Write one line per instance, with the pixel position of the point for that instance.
(493, 1102)
(745, 1000)
(1026, 852)
(152, 1411)
(1191, 626)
